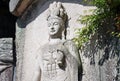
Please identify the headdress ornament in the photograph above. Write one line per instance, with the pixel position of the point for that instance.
(56, 10)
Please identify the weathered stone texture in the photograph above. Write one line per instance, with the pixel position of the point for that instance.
(20, 35)
(96, 65)
(6, 59)
(7, 75)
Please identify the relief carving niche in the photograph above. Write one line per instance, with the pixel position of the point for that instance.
(56, 55)
(57, 60)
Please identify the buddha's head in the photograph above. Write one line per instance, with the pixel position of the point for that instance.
(56, 20)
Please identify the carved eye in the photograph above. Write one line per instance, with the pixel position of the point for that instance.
(56, 23)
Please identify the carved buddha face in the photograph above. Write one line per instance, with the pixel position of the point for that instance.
(55, 27)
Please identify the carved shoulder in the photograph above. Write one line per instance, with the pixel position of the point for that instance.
(70, 45)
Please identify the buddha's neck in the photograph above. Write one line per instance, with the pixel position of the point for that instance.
(55, 41)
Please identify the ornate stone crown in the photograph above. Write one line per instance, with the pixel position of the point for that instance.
(56, 10)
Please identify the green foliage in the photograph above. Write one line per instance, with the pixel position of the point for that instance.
(101, 17)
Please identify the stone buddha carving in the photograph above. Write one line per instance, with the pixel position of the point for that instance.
(57, 60)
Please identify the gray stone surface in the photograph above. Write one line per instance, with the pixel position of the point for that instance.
(20, 39)
(97, 70)
(6, 59)
(7, 75)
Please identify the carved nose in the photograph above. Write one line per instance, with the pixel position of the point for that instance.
(52, 28)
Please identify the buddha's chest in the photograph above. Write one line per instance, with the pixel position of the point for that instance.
(53, 59)
(52, 56)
